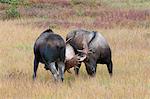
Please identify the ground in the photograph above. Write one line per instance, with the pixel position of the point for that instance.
(125, 25)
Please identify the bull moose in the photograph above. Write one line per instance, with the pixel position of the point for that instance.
(92, 47)
(49, 49)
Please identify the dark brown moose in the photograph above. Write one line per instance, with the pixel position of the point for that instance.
(89, 47)
(49, 49)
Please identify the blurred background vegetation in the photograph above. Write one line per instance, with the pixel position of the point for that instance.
(77, 13)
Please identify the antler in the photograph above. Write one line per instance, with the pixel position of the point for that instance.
(68, 39)
(86, 50)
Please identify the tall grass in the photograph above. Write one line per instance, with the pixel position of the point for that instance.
(127, 31)
(130, 52)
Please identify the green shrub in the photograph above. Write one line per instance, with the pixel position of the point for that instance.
(10, 1)
(12, 12)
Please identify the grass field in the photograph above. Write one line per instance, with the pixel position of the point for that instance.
(128, 35)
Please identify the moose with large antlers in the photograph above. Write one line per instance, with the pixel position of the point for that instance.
(89, 47)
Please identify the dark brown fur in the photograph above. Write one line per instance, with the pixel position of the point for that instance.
(101, 52)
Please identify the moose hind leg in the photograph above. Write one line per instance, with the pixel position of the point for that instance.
(36, 63)
(61, 68)
(110, 68)
(53, 70)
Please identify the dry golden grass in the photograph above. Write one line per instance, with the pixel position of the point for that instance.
(131, 58)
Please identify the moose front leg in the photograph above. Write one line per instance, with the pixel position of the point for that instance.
(77, 68)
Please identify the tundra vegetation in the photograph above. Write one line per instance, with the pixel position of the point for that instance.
(124, 23)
